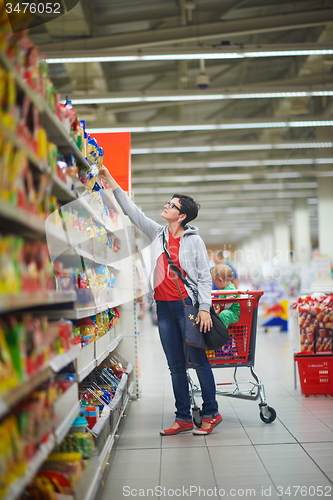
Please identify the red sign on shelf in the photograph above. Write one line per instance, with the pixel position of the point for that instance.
(117, 156)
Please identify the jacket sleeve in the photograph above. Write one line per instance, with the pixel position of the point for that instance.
(147, 226)
(204, 277)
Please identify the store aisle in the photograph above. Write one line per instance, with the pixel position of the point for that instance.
(243, 457)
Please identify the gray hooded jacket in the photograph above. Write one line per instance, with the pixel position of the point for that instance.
(193, 256)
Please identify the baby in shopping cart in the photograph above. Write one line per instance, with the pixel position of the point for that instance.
(222, 276)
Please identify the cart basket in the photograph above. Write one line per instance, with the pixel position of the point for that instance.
(240, 349)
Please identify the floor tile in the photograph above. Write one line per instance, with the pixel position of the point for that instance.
(243, 455)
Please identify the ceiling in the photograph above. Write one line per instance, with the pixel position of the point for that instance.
(249, 155)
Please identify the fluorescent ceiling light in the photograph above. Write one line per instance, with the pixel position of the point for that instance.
(282, 175)
(235, 163)
(212, 126)
(298, 185)
(219, 178)
(145, 194)
(194, 53)
(193, 178)
(199, 97)
(231, 147)
(328, 173)
(241, 210)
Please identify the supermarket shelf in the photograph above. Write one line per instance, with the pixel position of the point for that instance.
(89, 482)
(108, 224)
(101, 349)
(76, 251)
(61, 191)
(85, 312)
(11, 398)
(20, 81)
(115, 342)
(61, 431)
(86, 371)
(57, 132)
(54, 128)
(22, 220)
(85, 362)
(62, 360)
(19, 144)
(16, 219)
(18, 486)
(27, 299)
(94, 354)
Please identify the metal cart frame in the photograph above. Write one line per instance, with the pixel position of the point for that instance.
(238, 352)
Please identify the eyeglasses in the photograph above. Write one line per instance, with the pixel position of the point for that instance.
(172, 205)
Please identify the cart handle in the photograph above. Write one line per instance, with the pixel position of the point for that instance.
(254, 293)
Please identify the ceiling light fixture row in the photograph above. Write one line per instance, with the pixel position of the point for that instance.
(237, 163)
(231, 147)
(213, 126)
(199, 97)
(195, 53)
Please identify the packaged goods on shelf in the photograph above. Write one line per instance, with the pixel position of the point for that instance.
(77, 442)
(24, 266)
(23, 432)
(44, 150)
(67, 467)
(93, 283)
(8, 375)
(28, 344)
(96, 326)
(12, 460)
(315, 315)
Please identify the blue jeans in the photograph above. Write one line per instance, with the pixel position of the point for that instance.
(171, 326)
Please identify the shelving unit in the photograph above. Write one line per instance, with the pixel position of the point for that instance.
(18, 486)
(56, 304)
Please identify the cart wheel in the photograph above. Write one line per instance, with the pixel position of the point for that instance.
(196, 416)
(271, 415)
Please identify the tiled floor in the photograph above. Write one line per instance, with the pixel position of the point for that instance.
(244, 457)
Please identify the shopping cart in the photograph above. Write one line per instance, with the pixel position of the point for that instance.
(238, 352)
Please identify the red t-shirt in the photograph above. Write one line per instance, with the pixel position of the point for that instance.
(164, 281)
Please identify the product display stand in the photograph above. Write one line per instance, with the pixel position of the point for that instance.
(119, 342)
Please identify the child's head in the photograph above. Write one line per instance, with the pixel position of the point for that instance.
(222, 275)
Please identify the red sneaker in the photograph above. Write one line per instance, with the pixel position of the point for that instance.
(213, 423)
(182, 427)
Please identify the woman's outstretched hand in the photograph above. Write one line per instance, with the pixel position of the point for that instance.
(105, 174)
(205, 321)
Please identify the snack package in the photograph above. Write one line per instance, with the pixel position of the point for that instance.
(8, 376)
(88, 330)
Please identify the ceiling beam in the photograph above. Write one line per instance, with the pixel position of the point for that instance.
(207, 11)
(230, 28)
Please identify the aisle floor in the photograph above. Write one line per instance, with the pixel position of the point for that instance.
(244, 457)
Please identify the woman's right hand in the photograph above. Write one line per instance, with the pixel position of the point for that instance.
(105, 174)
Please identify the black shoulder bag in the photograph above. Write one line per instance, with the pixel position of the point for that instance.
(213, 339)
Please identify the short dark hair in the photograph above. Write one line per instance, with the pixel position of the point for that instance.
(188, 206)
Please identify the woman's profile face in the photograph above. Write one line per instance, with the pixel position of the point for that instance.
(171, 210)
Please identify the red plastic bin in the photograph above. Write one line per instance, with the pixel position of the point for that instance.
(315, 373)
